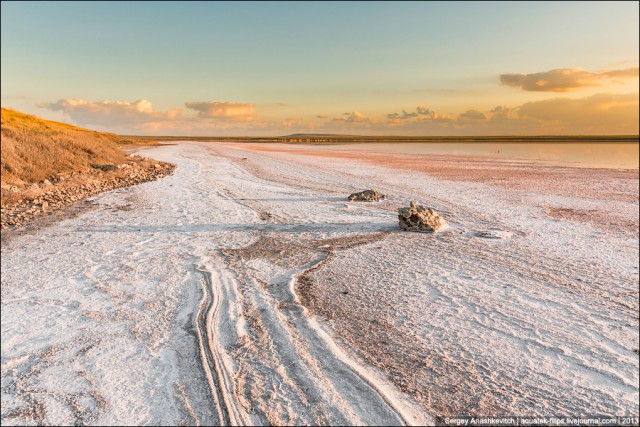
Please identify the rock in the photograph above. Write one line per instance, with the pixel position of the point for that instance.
(420, 218)
(366, 196)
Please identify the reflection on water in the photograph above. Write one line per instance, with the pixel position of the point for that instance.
(591, 155)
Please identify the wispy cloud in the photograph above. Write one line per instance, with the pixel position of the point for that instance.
(402, 116)
(420, 110)
(597, 114)
(564, 79)
(223, 110)
(473, 115)
(108, 113)
(604, 113)
(353, 117)
(206, 118)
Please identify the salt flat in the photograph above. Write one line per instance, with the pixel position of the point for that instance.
(245, 289)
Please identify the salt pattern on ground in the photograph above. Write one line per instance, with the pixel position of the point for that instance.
(245, 289)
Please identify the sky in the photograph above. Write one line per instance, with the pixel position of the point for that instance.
(357, 68)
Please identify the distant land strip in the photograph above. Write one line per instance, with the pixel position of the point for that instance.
(315, 138)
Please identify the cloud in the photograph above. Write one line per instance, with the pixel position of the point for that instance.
(108, 113)
(564, 79)
(604, 113)
(420, 110)
(601, 114)
(223, 110)
(353, 122)
(402, 116)
(500, 109)
(627, 73)
(473, 115)
(423, 111)
(501, 120)
(353, 117)
(140, 117)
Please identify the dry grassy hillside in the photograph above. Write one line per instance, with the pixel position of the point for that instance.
(34, 149)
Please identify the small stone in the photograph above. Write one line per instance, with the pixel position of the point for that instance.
(366, 196)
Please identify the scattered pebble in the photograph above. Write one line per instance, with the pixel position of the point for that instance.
(25, 210)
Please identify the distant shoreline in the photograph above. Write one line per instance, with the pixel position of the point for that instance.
(343, 139)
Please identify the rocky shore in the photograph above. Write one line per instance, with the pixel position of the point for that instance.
(22, 206)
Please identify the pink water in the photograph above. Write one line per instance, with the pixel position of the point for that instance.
(586, 155)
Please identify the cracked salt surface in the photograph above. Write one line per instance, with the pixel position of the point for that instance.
(251, 292)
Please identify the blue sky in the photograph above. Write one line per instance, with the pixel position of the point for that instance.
(352, 67)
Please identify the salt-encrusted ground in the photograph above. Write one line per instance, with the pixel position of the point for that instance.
(245, 289)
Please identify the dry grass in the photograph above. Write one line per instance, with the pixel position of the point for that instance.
(34, 149)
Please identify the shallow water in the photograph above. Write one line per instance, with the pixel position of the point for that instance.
(587, 155)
